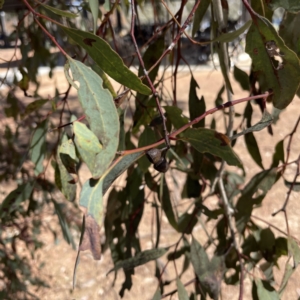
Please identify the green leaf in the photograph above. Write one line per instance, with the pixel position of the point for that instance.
(58, 12)
(140, 259)
(230, 36)
(267, 239)
(283, 81)
(294, 250)
(100, 112)
(199, 14)
(289, 30)
(66, 164)
(186, 222)
(33, 106)
(87, 145)
(253, 149)
(15, 198)
(174, 114)
(164, 197)
(278, 155)
(265, 121)
(107, 59)
(210, 141)
(197, 106)
(295, 185)
(242, 78)
(38, 147)
(288, 271)
(94, 5)
(157, 295)
(253, 194)
(289, 5)
(265, 291)
(182, 293)
(146, 138)
(63, 224)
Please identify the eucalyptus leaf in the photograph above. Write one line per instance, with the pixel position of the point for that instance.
(107, 59)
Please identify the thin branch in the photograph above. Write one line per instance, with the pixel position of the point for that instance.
(154, 92)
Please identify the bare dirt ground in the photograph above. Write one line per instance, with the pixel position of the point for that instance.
(92, 283)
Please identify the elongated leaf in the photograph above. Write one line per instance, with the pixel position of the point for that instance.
(100, 112)
(196, 106)
(94, 5)
(199, 14)
(253, 149)
(289, 270)
(59, 12)
(265, 121)
(108, 60)
(283, 79)
(63, 224)
(253, 194)
(140, 259)
(182, 293)
(230, 36)
(294, 250)
(210, 141)
(289, 30)
(146, 138)
(157, 295)
(15, 198)
(289, 5)
(265, 291)
(38, 147)
(87, 145)
(166, 203)
(242, 78)
(174, 114)
(33, 106)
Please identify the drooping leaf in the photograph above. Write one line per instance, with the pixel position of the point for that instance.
(199, 14)
(289, 5)
(230, 36)
(182, 293)
(265, 291)
(282, 78)
(210, 141)
(196, 106)
(278, 155)
(288, 271)
(100, 112)
(63, 224)
(33, 106)
(253, 149)
(253, 194)
(94, 5)
(58, 12)
(15, 198)
(294, 250)
(87, 145)
(242, 78)
(157, 295)
(265, 121)
(140, 259)
(108, 60)
(146, 138)
(38, 147)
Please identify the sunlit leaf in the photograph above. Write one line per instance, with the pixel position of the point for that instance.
(108, 60)
(210, 141)
(100, 112)
(59, 12)
(294, 250)
(157, 295)
(140, 259)
(182, 293)
(288, 271)
(199, 14)
(94, 5)
(87, 145)
(265, 291)
(283, 79)
(174, 114)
